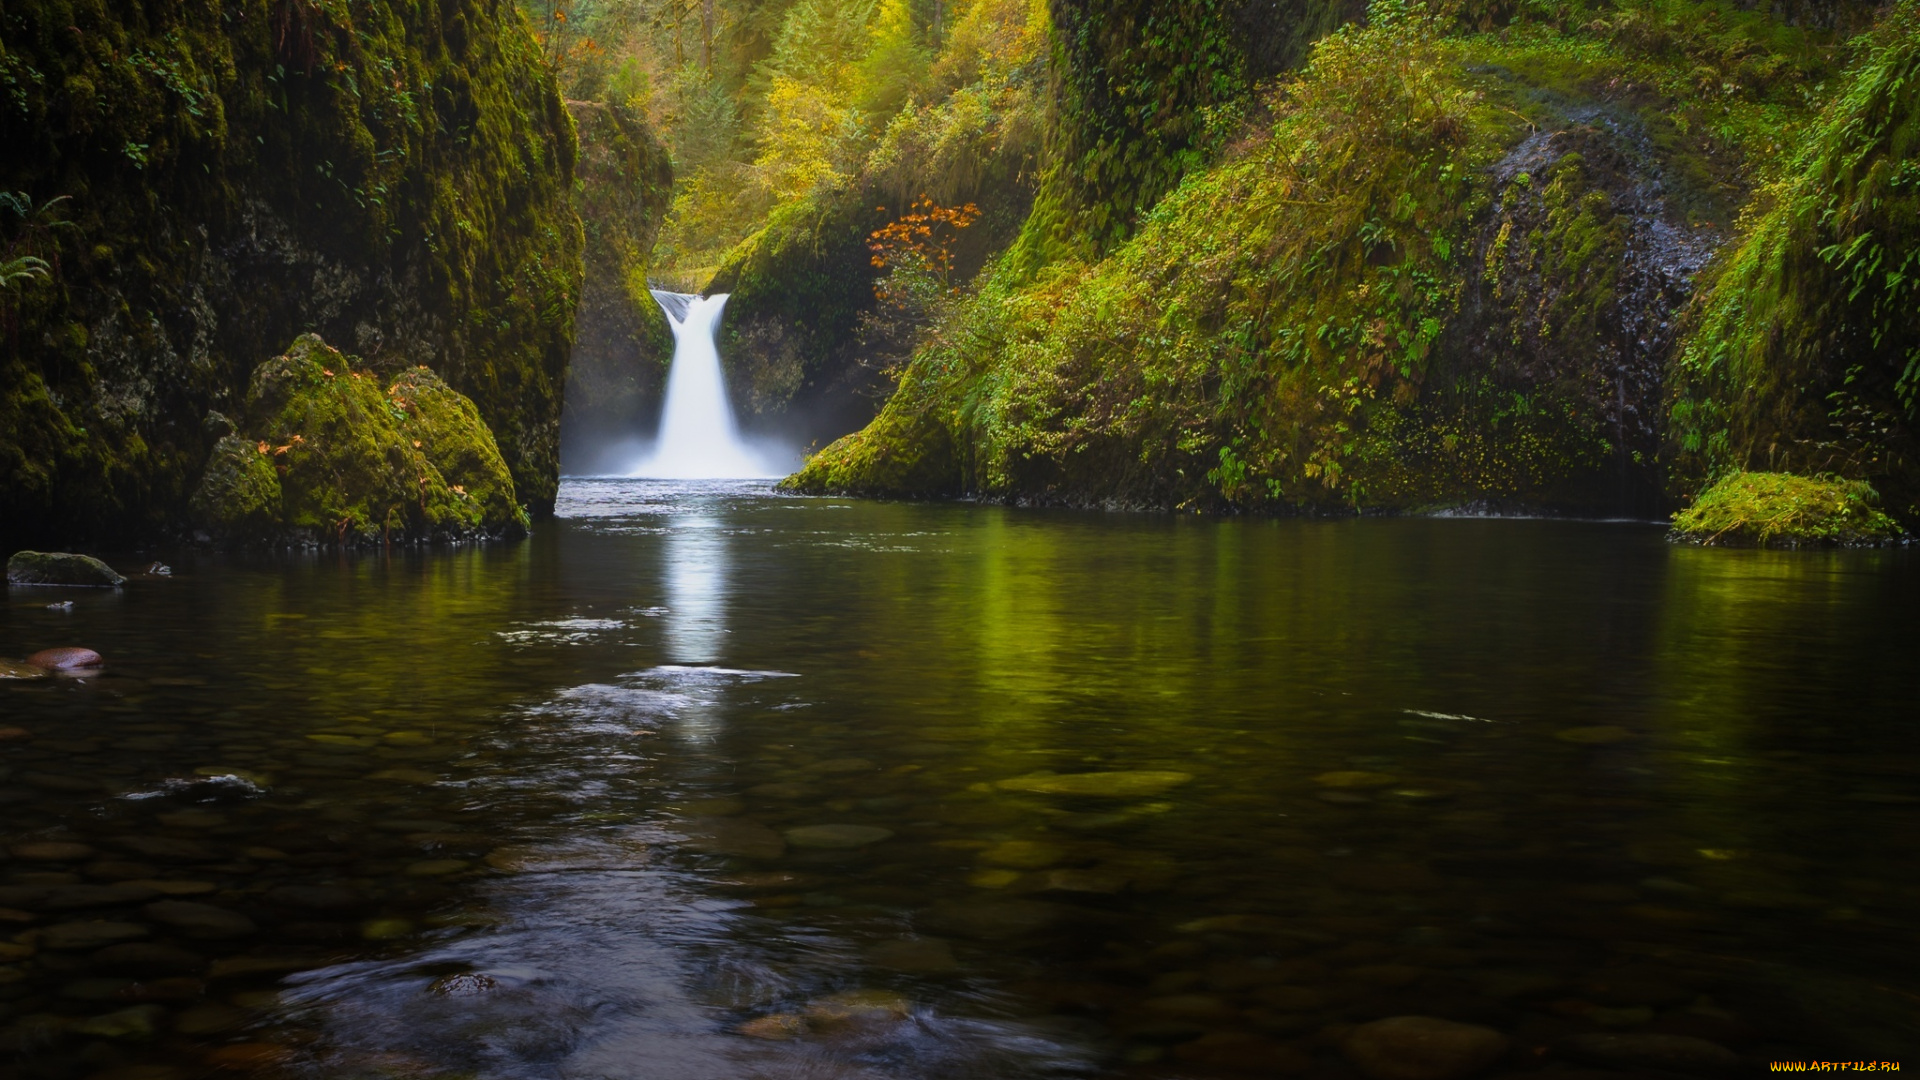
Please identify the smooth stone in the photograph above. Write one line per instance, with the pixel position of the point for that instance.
(317, 897)
(60, 568)
(117, 870)
(995, 921)
(176, 888)
(836, 836)
(1355, 778)
(1677, 1053)
(139, 1022)
(200, 920)
(1422, 1048)
(146, 958)
(74, 897)
(992, 879)
(90, 935)
(13, 734)
(67, 658)
(857, 1006)
(1112, 785)
(1600, 735)
(437, 867)
(52, 851)
(210, 1019)
(742, 837)
(1095, 882)
(913, 955)
(166, 849)
(1023, 854)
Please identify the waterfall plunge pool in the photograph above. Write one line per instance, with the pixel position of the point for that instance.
(702, 781)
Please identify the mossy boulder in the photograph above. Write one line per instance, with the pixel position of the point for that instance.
(1783, 510)
(332, 455)
(60, 568)
(396, 177)
(902, 454)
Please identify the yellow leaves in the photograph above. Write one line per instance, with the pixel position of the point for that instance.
(263, 447)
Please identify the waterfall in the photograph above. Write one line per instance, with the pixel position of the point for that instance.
(698, 438)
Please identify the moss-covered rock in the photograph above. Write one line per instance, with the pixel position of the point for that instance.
(60, 568)
(622, 345)
(328, 455)
(1783, 510)
(395, 177)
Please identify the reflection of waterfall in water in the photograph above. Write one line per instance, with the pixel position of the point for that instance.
(698, 438)
(696, 590)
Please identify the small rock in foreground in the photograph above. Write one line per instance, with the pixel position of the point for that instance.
(1422, 1048)
(60, 568)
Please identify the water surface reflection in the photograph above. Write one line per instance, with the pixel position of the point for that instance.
(727, 784)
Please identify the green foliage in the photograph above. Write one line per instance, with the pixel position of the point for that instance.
(394, 176)
(325, 455)
(1805, 351)
(1782, 510)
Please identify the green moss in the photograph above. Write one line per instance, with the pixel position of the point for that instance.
(327, 455)
(1805, 353)
(1783, 510)
(395, 177)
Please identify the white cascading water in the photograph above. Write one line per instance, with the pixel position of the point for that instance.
(698, 438)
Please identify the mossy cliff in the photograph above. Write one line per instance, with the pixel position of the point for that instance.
(328, 453)
(622, 344)
(393, 176)
(1804, 354)
(1445, 264)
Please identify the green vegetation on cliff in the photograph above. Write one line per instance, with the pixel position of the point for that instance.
(393, 176)
(1805, 353)
(1444, 264)
(1781, 510)
(325, 454)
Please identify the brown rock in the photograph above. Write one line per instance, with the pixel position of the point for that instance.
(66, 659)
(1422, 1048)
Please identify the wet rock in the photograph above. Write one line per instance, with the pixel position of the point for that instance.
(437, 867)
(738, 836)
(15, 669)
(915, 955)
(1355, 778)
(174, 887)
(60, 568)
(117, 870)
(852, 1007)
(317, 897)
(836, 836)
(200, 920)
(994, 921)
(1023, 854)
(1600, 735)
(1422, 1048)
(77, 936)
(139, 1022)
(1112, 785)
(166, 849)
(66, 659)
(13, 734)
(1648, 1050)
(775, 1028)
(52, 851)
(147, 958)
(77, 897)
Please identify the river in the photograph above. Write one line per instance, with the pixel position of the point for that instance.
(702, 781)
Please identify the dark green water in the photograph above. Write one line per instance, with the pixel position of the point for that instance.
(524, 811)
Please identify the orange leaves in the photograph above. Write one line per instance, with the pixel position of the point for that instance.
(924, 234)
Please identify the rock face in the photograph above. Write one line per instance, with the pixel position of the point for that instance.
(59, 568)
(327, 455)
(622, 347)
(1422, 1048)
(207, 182)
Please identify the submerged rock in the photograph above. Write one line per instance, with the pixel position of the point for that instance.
(837, 836)
(60, 568)
(1422, 1048)
(1134, 784)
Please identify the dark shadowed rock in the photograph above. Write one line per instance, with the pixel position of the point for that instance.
(1648, 1050)
(1422, 1048)
(60, 568)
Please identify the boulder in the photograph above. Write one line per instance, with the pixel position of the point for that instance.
(66, 658)
(1422, 1048)
(60, 568)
